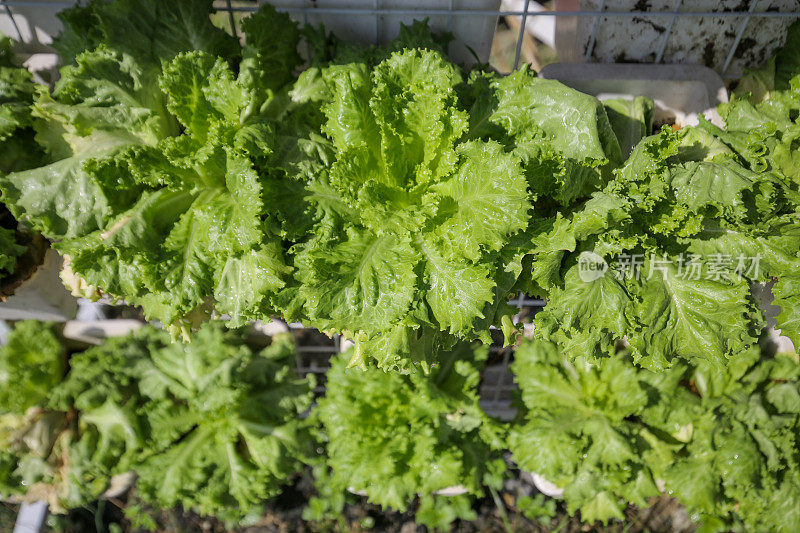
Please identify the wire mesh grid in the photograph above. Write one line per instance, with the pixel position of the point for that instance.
(595, 14)
(315, 349)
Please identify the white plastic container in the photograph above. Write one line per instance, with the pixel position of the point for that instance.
(681, 92)
(378, 21)
(42, 296)
(687, 39)
(96, 331)
(542, 485)
(34, 24)
(447, 492)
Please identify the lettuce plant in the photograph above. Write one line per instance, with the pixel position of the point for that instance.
(412, 216)
(156, 146)
(423, 197)
(692, 228)
(105, 435)
(396, 438)
(681, 232)
(32, 363)
(740, 468)
(646, 375)
(225, 426)
(611, 434)
(213, 425)
(19, 148)
(68, 426)
(762, 123)
(603, 432)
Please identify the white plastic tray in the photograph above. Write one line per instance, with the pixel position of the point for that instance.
(681, 92)
(42, 297)
(95, 331)
(378, 21)
(686, 39)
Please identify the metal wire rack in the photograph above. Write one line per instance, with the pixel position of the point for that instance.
(315, 349)
(581, 22)
(650, 31)
(497, 383)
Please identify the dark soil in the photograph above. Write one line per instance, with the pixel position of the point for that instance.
(284, 515)
(36, 247)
